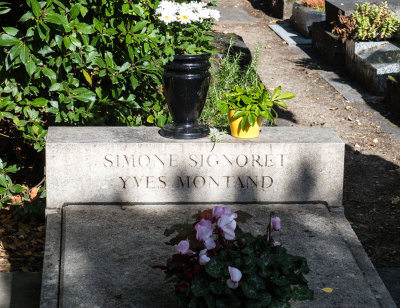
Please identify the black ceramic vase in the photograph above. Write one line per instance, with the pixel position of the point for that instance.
(186, 82)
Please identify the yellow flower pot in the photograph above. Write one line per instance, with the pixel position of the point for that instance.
(236, 129)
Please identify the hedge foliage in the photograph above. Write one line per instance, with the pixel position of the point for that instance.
(82, 62)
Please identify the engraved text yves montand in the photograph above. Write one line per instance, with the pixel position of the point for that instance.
(199, 164)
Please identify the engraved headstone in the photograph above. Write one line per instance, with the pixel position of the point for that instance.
(131, 165)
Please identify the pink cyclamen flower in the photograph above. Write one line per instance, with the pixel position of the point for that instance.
(210, 243)
(275, 223)
(183, 248)
(203, 259)
(227, 224)
(204, 230)
(218, 211)
(236, 275)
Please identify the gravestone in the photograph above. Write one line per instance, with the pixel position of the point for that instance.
(303, 18)
(113, 191)
(372, 62)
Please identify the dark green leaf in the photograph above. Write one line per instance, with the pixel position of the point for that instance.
(215, 268)
(36, 9)
(248, 290)
(8, 40)
(11, 31)
(39, 102)
(30, 66)
(217, 287)
(199, 286)
(57, 19)
(84, 95)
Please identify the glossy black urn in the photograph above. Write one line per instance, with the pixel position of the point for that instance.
(186, 81)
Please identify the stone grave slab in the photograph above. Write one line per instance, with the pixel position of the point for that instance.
(303, 18)
(131, 165)
(108, 253)
(112, 192)
(289, 35)
(372, 62)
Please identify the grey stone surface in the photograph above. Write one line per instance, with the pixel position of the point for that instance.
(19, 290)
(350, 90)
(303, 18)
(111, 265)
(235, 16)
(332, 7)
(51, 263)
(372, 62)
(126, 164)
(281, 9)
(328, 45)
(391, 278)
(289, 35)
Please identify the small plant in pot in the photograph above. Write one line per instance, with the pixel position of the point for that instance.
(247, 107)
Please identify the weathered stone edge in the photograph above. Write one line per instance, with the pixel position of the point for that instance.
(51, 264)
(371, 276)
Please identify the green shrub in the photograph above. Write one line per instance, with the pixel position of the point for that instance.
(226, 74)
(374, 21)
(81, 62)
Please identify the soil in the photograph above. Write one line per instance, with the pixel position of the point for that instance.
(372, 161)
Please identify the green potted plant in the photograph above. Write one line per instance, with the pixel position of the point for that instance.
(186, 28)
(247, 107)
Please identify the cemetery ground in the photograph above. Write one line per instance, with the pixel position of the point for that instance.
(372, 162)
